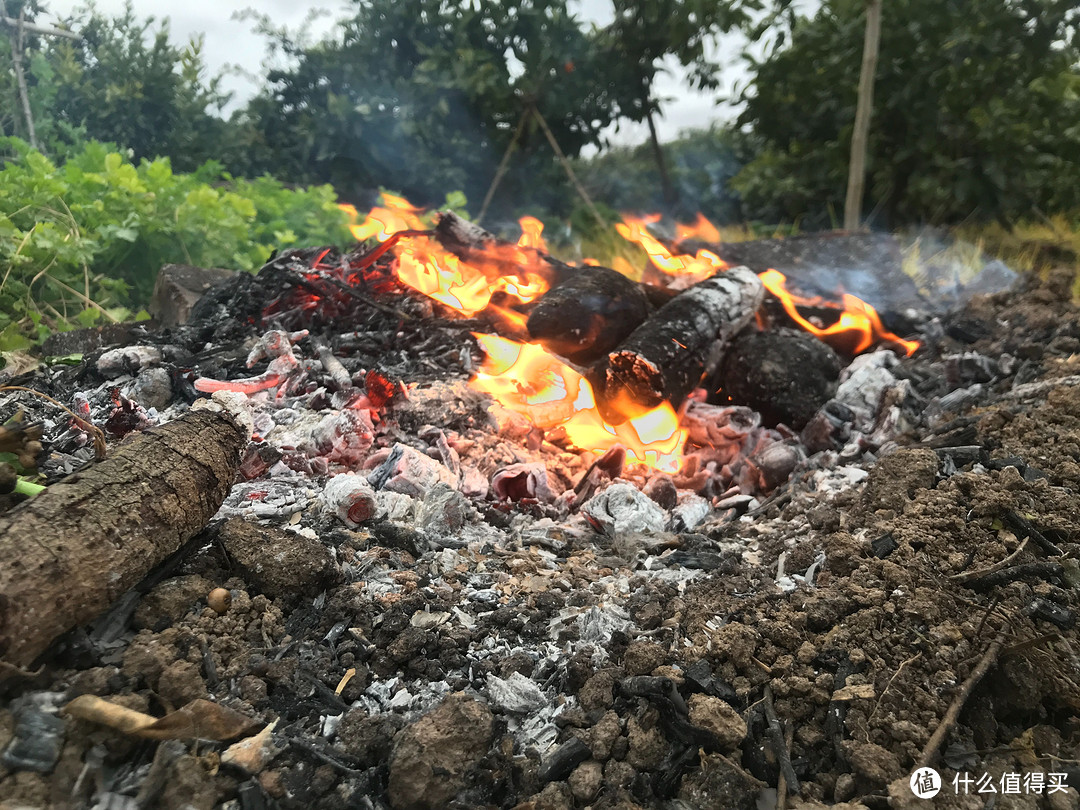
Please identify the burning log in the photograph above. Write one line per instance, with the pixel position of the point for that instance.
(76, 547)
(588, 314)
(665, 357)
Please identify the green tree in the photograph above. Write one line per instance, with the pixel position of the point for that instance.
(124, 82)
(976, 114)
(425, 96)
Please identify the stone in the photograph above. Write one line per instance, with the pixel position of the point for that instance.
(602, 736)
(642, 657)
(717, 716)
(586, 779)
(875, 765)
(648, 747)
(279, 563)
(180, 683)
(432, 757)
(170, 600)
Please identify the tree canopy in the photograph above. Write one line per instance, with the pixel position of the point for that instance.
(977, 113)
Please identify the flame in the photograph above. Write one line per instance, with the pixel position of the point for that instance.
(465, 285)
(526, 379)
(858, 328)
(692, 269)
(702, 230)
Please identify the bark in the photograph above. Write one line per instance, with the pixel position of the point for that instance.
(667, 356)
(588, 314)
(71, 551)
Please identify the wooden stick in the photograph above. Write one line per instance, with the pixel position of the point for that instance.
(568, 168)
(929, 753)
(71, 551)
(864, 109)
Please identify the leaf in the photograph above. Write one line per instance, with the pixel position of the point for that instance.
(199, 719)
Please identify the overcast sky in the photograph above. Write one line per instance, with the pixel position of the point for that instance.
(231, 42)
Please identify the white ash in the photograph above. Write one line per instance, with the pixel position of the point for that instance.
(515, 693)
(623, 508)
(408, 471)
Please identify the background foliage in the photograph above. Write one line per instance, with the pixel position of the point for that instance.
(92, 234)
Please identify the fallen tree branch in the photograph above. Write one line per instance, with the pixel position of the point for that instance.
(72, 550)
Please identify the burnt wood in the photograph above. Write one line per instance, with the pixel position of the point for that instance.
(588, 314)
(72, 550)
(665, 357)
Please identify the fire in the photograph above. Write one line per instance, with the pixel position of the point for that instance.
(702, 229)
(858, 328)
(690, 269)
(465, 285)
(526, 379)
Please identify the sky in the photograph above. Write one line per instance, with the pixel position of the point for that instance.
(230, 42)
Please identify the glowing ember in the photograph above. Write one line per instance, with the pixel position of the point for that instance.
(526, 379)
(858, 328)
(464, 285)
(691, 269)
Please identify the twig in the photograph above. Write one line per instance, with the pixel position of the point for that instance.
(567, 167)
(1021, 526)
(885, 691)
(965, 576)
(989, 658)
(503, 165)
(776, 733)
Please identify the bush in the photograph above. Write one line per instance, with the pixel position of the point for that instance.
(85, 240)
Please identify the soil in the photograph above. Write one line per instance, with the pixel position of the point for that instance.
(813, 644)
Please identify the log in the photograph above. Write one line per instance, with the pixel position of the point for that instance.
(71, 551)
(665, 357)
(588, 314)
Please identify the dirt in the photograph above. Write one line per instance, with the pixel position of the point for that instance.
(554, 667)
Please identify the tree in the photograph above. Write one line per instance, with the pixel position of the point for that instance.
(424, 96)
(977, 113)
(644, 32)
(124, 82)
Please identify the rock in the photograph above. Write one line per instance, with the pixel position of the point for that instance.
(586, 779)
(717, 716)
(152, 388)
(169, 601)
(895, 478)
(642, 657)
(180, 683)
(253, 754)
(876, 765)
(719, 776)
(432, 757)
(277, 562)
(597, 691)
(178, 287)
(602, 736)
(648, 747)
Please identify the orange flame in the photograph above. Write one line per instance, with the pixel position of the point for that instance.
(692, 268)
(858, 328)
(526, 379)
(466, 286)
(702, 230)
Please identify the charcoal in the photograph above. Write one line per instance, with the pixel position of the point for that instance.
(39, 735)
(559, 764)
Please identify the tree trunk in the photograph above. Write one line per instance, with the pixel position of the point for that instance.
(658, 153)
(863, 111)
(71, 551)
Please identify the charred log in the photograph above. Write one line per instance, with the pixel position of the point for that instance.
(588, 314)
(76, 547)
(784, 374)
(667, 356)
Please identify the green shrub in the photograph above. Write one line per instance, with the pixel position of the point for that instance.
(85, 240)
